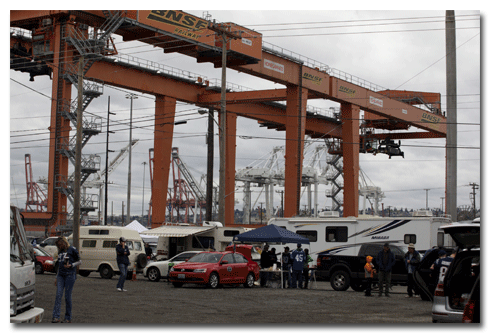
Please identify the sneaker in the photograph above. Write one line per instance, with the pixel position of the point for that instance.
(124, 290)
(55, 320)
(408, 296)
(119, 289)
(66, 321)
(417, 296)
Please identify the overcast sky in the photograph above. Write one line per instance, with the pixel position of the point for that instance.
(392, 49)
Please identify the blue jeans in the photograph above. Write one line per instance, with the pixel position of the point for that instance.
(64, 283)
(122, 278)
(384, 282)
(297, 279)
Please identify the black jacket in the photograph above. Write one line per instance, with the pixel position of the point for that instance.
(121, 257)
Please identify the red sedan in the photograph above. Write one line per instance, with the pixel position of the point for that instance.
(215, 268)
(44, 262)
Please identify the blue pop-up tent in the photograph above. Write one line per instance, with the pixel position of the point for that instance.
(271, 234)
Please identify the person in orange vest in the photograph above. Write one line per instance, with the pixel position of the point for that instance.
(369, 272)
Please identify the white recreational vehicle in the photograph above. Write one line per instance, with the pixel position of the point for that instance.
(343, 236)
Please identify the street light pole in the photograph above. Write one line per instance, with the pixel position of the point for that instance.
(128, 214)
(107, 159)
(143, 200)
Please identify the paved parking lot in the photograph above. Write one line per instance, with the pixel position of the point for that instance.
(96, 300)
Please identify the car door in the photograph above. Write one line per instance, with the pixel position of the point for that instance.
(241, 268)
(226, 270)
(399, 271)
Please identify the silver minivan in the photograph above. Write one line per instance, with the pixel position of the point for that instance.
(452, 294)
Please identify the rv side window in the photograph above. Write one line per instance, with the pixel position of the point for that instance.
(312, 235)
(336, 234)
(410, 238)
(137, 246)
(98, 232)
(129, 244)
(230, 233)
(89, 243)
(109, 244)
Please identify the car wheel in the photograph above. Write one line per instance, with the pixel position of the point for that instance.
(39, 268)
(153, 274)
(177, 284)
(106, 272)
(213, 281)
(249, 282)
(84, 273)
(340, 280)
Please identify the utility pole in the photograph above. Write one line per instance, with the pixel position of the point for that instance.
(226, 35)
(130, 96)
(442, 204)
(143, 200)
(78, 158)
(426, 198)
(473, 197)
(107, 159)
(452, 113)
(282, 201)
(210, 166)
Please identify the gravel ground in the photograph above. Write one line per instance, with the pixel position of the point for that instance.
(96, 300)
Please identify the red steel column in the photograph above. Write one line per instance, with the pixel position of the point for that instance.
(350, 138)
(296, 101)
(164, 130)
(231, 123)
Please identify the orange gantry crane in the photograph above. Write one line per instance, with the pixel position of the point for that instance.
(53, 42)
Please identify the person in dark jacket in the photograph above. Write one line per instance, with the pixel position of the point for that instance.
(385, 261)
(412, 259)
(68, 260)
(122, 253)
(265, 262)
(298, 258)
(286, 267)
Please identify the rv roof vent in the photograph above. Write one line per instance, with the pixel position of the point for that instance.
(329, 213)
(212, 223)
(422, 212)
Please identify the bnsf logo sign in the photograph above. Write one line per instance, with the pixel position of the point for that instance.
(430, 118)
(177, 18)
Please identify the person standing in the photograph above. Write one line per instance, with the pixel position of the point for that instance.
(306, 268)
(369, 272)
(385, 261)
(122, 253)
(265, 263)
(412, 259)
(298, 258)
(286, 267)
(440, 266)
(68, 260)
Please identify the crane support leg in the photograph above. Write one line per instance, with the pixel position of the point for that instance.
(350, 137)
(295, 133)
(164, 130)
(231, 123)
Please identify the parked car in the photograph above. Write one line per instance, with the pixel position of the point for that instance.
(214, 269)
(452, 294)
(159, 269)
(44, 262)
(49, 245)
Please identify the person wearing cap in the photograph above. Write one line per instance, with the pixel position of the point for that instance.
(122, 253)
(369, 272)
(298, 258)
(440, 266)
(385, 261)
(68, 260)
(412, 259)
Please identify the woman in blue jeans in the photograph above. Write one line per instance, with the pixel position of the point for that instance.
(122, 252)
(68, 260)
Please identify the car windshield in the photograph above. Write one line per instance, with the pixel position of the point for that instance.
(206, 257)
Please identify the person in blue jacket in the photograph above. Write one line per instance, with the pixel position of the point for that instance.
(385, 261)
(68, 260)
(412, 260)
(298, 258)
(122, 252)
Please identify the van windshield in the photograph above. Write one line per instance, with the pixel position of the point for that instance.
(206, 257)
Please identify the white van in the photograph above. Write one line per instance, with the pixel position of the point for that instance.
(98, 250)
